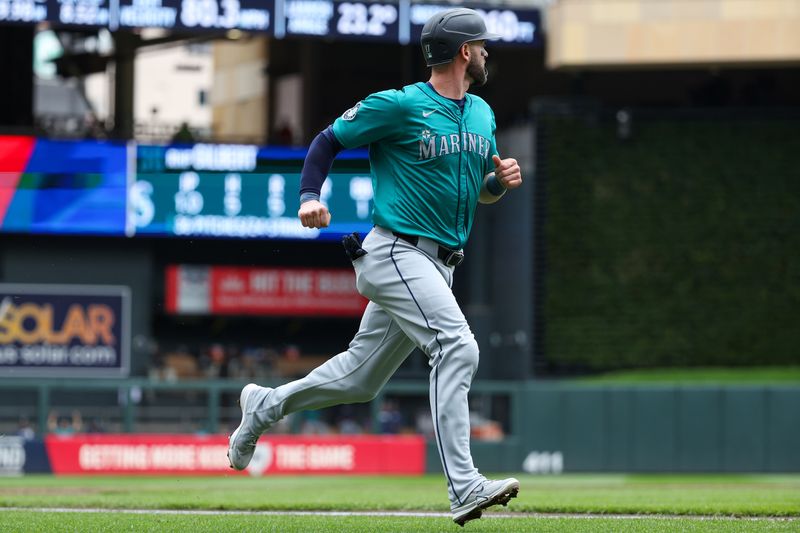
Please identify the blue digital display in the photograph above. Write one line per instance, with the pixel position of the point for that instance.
(74, 187)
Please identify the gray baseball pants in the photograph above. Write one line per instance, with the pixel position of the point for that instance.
(411, 305)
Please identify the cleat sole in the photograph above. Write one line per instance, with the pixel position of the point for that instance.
(472, 515)
(502, 498)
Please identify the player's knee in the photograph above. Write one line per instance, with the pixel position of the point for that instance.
(469, 353)
(463, 352)
(364, 393)
(460, 351)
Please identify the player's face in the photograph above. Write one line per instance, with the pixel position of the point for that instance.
(476, 68)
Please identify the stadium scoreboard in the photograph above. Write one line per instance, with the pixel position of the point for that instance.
(241, 191)
(390, 22)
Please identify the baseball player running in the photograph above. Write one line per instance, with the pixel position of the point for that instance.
(433, 158)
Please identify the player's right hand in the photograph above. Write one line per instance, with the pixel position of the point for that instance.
(313, 214)
(507, 172)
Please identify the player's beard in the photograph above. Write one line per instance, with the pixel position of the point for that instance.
(477, 72)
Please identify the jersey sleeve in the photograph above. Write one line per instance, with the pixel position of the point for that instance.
(372, 119)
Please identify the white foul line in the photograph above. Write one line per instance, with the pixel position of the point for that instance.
(413, 514)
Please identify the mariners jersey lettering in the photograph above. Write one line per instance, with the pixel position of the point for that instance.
(432, 146)
(428, 159)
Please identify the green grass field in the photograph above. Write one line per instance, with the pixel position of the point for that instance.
(676, 503)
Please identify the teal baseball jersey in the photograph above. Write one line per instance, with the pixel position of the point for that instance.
(428, 159)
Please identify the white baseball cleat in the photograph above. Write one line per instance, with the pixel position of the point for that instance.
(490, 493)
(242, 442)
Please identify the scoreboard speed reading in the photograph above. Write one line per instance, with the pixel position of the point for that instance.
(224, 14)
(240, 191)
(251, 15)
(393, 22)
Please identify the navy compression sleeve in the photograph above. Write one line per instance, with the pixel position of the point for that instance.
(318, 164)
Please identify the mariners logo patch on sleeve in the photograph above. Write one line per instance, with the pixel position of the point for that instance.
(350, 114)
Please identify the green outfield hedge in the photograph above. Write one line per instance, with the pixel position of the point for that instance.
(678, 246)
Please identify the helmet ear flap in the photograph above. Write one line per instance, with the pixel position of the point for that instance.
(442, 49)
(439, 49)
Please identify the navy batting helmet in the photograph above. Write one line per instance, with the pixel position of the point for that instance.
(445, 32)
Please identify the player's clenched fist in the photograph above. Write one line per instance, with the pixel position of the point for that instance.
(313, 214)
(507, 172)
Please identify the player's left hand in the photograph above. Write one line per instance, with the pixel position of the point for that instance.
(507, 172)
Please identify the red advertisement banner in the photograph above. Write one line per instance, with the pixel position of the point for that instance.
(262, 291)
(200, 455)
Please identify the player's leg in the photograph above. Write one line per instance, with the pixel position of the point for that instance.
(355, 375)
(414, 289)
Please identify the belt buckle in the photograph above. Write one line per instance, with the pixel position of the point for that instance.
(454, 258)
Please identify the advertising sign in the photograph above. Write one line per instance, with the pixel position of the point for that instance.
(218, 290)
(64, 330)
(199, 455)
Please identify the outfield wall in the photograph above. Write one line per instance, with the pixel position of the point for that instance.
(667, 429)
(573, 428)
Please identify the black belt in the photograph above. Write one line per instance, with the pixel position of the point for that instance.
(448, 256)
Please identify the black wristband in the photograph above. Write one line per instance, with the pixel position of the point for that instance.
(494, 186)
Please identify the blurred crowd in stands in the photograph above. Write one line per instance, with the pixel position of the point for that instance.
(60, 424)
(220, 361)
(406, 415)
